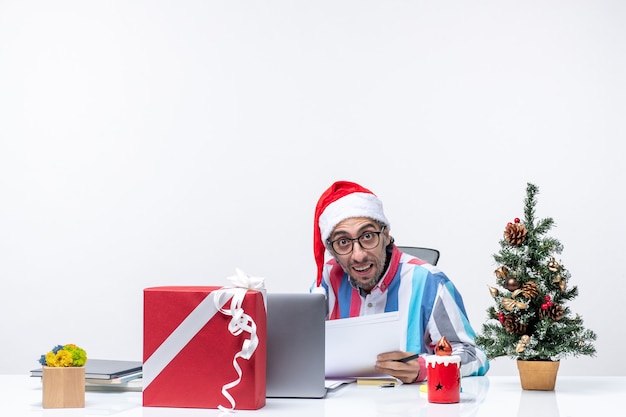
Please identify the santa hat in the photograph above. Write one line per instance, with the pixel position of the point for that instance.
(343, 200)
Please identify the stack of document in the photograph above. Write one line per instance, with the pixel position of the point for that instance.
(108, 374)
(352, 344)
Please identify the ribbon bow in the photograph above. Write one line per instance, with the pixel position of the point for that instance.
(239, 323)
(243, 280)
(509, 304)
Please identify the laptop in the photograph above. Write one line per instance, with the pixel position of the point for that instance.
(296, 345)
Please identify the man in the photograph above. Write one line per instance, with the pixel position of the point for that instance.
(369, 275)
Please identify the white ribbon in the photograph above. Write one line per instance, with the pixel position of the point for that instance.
(240, 322)
(243, 280)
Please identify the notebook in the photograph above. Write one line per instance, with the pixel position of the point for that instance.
(295, 345)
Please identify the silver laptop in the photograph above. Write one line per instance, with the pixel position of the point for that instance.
(296, 345)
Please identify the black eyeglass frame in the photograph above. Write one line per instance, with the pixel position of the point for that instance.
(358, 239)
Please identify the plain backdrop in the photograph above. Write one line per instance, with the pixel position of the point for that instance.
(147, 143)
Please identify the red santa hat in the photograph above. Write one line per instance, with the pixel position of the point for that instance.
(343, 200)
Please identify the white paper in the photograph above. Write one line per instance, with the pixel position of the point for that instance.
(332, 384)
(353, 344)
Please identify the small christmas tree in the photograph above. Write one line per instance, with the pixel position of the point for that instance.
(530, 319)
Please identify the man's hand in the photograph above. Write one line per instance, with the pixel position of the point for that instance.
(389, 363)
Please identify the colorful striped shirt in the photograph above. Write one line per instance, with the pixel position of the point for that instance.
(427, 301)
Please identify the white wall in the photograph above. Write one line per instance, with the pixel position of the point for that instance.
(147, 143)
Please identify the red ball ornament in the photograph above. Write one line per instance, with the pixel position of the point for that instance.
(501, 317)
(545, 306)
(517, 220)
(547, 298)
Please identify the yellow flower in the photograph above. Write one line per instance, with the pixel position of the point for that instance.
(62, 358)
(51, 359)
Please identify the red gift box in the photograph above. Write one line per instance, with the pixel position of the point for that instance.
(191, 356)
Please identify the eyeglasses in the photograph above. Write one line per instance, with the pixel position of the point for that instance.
(368, 240)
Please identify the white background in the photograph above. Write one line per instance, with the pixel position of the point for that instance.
(147, 143)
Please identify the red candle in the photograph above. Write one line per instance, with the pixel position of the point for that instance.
(444, 378)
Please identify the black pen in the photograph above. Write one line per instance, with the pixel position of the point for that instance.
(408, 358)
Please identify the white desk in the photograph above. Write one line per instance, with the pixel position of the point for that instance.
(481, 396)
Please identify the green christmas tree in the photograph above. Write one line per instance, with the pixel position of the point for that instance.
(530, 319)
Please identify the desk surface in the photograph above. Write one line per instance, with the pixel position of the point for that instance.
(481, 396)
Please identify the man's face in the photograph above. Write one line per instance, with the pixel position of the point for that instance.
(365, 266)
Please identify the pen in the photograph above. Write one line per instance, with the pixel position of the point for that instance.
(408, 358)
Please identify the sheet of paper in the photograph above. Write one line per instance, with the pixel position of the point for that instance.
(352, 344)
(332, 384)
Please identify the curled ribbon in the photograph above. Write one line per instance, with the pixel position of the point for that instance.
(239, 323)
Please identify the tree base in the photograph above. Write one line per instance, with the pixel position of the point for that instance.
(538, 375)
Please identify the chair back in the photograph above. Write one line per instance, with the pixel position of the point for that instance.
(425, 254)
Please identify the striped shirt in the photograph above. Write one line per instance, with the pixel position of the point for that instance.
(427, 301)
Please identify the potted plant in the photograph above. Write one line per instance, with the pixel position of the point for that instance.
(63, 377)
(530, 320)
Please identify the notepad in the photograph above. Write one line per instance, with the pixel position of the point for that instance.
(378, 381)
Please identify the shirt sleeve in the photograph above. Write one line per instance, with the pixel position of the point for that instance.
(449, 319)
